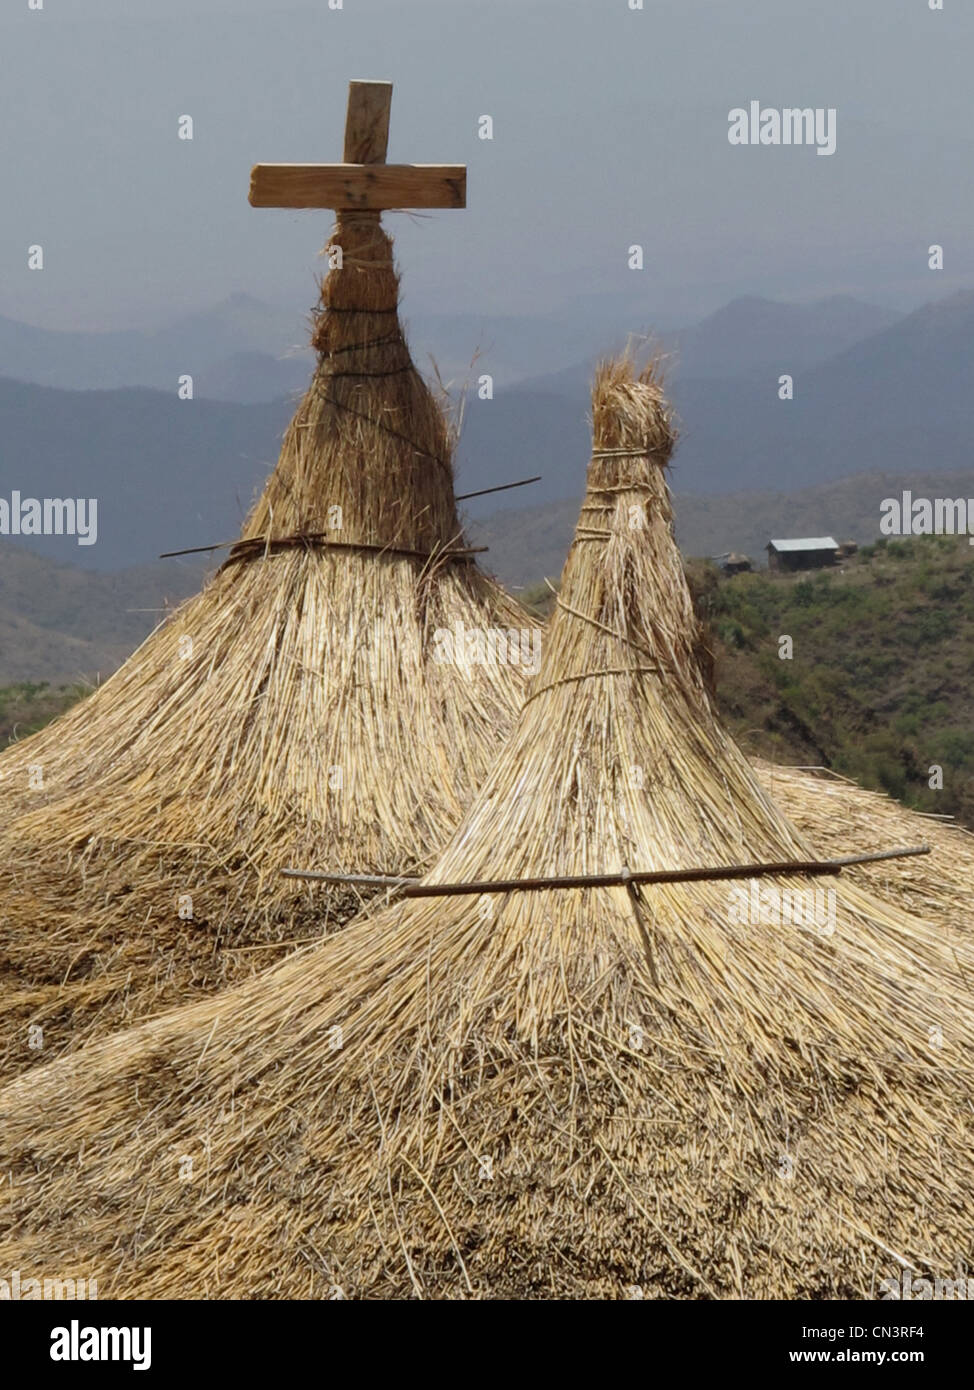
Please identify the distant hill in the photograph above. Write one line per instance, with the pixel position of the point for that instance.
(752, 335)
(255, 377)
(62, 625)
(208, 345)
(167, 474)
(896, 402)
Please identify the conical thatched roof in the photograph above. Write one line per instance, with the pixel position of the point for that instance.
(566, 1092)
(297, 709)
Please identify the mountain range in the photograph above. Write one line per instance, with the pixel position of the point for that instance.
(875, 393)
(244, 350)
(240, 349)
(894, 395)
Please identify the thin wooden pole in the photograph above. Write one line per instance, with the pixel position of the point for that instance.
(416, 888)
(504, 487)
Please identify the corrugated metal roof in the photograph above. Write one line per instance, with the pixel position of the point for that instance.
(806, 543)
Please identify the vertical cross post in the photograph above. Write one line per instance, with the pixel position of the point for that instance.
(367, 122)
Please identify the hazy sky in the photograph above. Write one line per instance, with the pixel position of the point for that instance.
(610, 128)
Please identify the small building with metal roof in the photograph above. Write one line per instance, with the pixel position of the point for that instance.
(802, 553)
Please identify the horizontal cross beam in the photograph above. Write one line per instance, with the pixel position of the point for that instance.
(358, 186)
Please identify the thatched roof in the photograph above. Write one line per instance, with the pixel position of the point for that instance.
(296, 710)
(558, 1093)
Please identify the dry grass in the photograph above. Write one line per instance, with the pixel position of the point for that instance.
(292, 712)
(550, 1094)
(839, 817)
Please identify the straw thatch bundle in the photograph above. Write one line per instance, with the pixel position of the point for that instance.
(568, 1092)
(839, 817)
(296, 709)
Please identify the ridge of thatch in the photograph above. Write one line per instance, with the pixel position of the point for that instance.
(563, 1093)
(295, 710)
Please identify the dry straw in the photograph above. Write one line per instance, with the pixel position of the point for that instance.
(293, 711)
(839, 817)
(549, 1094)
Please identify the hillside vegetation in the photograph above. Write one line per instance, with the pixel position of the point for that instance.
(29, 705)
(879, 683)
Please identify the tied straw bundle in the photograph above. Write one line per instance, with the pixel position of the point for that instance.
(561, 1093)
(295, 709)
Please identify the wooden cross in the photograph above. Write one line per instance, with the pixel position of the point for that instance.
(365, 180)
